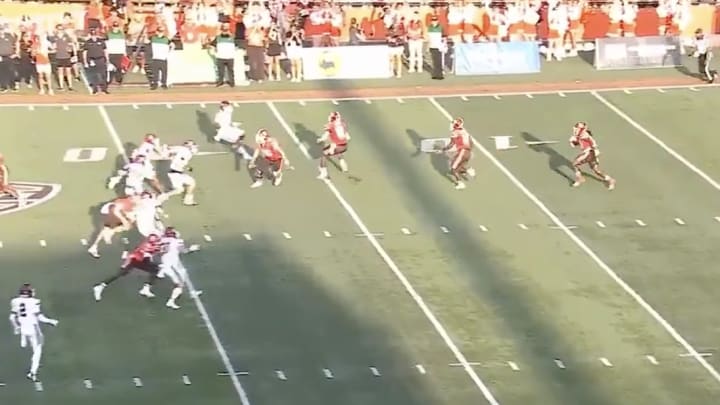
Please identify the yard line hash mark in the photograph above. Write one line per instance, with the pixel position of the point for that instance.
(523, 227)
(186, 380)
(280, 375)
(138, 382)
(83, 242)
(659, 142)
(327, 234)
(661, 90)
(207, 238)
(31, 108)
(202, 105)
(483, 228)
(368, 101)
(627, 91)
(585, 248)
(652, 360)
(444, 229)
(401, 101)
(561, 94)
(640, 222)
(420, 369)
(375, 371)
(88, 384)
(328, 373)
(66, 107)
(605, 362)
(247, 236)
(405, 231)
(43, 243)
(286, 235)
(560, 364)
(528, 95)
(135, 107)
(513, 366)
(419, 301)
(693, 89)
(242, 395)
(717, 219)
(334, 102)
(38, 386)
(463, 98)
(600, 224)
(679, 221)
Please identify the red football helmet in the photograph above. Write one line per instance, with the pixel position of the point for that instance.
(580, 128)
(457, 124)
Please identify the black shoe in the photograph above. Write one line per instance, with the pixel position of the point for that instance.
(219, 84)
(94, 91)
(164, 87)
(154, 87)
(232, 85)
(106, 91)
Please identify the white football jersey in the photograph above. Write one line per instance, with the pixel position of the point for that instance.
(172, 248)
(147, 149)
(181, 160)
(138, 172)
(223, 118)
(26, 311)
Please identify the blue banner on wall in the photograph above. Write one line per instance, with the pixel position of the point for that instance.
(500, 58)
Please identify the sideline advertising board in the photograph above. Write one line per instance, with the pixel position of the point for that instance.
(499, 58)
(637, 52)
(346, 62)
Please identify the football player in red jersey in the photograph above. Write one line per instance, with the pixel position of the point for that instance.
(582, 138)
(275, 159)
(140, 258)
(5, 187)
(461, 146)
(335, 140)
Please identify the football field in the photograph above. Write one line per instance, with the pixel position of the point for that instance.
(385, 286)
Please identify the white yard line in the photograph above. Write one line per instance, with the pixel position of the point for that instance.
(112, 132)
(420, 96)
(439, 328)
(657, 140)
(585, 248)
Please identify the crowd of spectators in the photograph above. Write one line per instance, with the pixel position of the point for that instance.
(272, 33)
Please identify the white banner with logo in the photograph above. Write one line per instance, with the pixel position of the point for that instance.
(194, 65)
(347, 62)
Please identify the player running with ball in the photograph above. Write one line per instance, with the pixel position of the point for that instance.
(582, 138)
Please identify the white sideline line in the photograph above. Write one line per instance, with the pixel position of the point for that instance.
(392, 266)
(112, 132)
(585, 248)
(657, 140)
(419, 96)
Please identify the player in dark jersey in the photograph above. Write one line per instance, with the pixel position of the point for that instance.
(141, 259)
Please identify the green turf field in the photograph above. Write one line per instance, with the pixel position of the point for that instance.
(388, 286)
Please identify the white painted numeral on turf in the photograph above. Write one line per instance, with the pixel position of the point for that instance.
(138, 382)
(83, 155)
(88, 384)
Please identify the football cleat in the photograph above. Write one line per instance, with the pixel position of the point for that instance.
(172, 305)
(256, 184)
(32, 377)
(97, 292)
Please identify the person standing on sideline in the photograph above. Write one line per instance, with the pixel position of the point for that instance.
(704, 55)
(160, 47)
(117, 49)
(415, 44)
(8, 51)
(436, 45)
(94, 58)
(64, 49)
(256, 53)
(224, 48)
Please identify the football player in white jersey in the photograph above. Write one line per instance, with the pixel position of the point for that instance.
(135, 173)
(148, 212)
(180, 179)
(171, 247)
(26, 317)
(229, 131)
(152, 150)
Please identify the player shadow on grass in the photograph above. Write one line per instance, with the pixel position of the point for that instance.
(439, 161)
(556, 161)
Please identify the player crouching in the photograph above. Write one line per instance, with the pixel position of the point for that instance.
(140, 258)
(171, 265)
(589, 152)
(118, 216)
(180, 179)
(335, 138)
(461, 147)
(26, 317)
(273, 156)
(229, 131)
